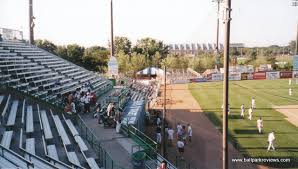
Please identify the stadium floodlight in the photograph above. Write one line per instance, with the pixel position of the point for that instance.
(217, 29)
(295, 3)
(227, 21)
(217, 33)
(31, 22)
(112, 31)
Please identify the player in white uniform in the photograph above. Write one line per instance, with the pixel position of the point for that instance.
(260, 125)
(290, 91)
(253, 103)
(242, 111)
(271, 139)
(250, 113)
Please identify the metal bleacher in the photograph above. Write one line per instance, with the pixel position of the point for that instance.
(50, 140)
(41, 74)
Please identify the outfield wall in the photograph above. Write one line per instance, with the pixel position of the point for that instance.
(236, 76)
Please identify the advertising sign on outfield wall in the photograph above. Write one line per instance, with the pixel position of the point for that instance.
(272, 75)
(234, 76)
(217, 77)
(259, 75)
(286, 74)
(295, 74)
(295, 63)
(198, 80)
(250, 76)
(244, 76)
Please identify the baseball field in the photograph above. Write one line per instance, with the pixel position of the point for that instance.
(278, 110)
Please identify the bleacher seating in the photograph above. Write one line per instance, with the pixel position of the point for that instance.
(42, 147)
(42, 74)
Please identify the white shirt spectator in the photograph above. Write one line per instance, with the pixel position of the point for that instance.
(179, 128)
(73, 107)
(170, 134)
(189, 131)
(180, 144)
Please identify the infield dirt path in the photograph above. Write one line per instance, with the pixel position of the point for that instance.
(205, 150)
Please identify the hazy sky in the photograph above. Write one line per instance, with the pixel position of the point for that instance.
(87, 22)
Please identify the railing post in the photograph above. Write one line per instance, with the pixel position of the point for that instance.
(105, 159)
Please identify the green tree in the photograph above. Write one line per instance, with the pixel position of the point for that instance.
(46, 45)
(62, 51)
(96, 59)
(122, 44)
(292, 46)
(75, 53)
(149, 47)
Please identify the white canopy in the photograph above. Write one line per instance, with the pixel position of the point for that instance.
(151, 71)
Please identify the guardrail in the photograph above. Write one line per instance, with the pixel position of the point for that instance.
(104, 157)
(147, 145)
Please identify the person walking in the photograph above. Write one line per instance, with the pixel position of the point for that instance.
(184, 134)
(271, 139)
(180, 146)
(158, 134)
(250, 113)
(253, 103)
(260, 125)
(242, 110)
(170, 136)
(163, 165)
(179, 129)
(189, 132)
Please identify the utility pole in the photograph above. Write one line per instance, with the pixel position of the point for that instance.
(227, 21)
(112, 31)
(297, 41)
(164, 145)
(217, 33)
(295, 3)
(31, 23)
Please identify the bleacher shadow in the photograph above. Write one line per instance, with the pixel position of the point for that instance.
(247, 131)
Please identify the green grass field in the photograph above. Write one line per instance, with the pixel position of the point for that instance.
(243, 132)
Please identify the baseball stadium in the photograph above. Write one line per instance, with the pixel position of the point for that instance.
(136, 102)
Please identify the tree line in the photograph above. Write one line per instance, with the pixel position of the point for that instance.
(151, 52)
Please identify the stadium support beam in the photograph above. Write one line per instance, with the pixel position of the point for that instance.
(112, 31)
(31, 23)
(297, 41)
(226, 84)
(295, 3)
(164, 146)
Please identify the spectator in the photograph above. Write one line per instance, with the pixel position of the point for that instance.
(179, 128)
(118, 126)
(189, 132)
(163, 165)
(184, 134)
(158, 134)
(73, 108)
(158, 121)
(180, 146)
(170, 135)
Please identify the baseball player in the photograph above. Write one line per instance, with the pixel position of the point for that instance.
(290, 91)
(253, 103)
(250, 113)
(260, 125)
(242, 110)
(271, 139)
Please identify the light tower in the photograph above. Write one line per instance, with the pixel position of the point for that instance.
(217, 33)
(227, 20)
(31, 23)
(295, 3)
(112, 31)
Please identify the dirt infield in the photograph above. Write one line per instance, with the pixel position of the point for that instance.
(291, 111)
(205, 151)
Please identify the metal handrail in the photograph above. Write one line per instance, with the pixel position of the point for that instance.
(95, 142)
(2, 148)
